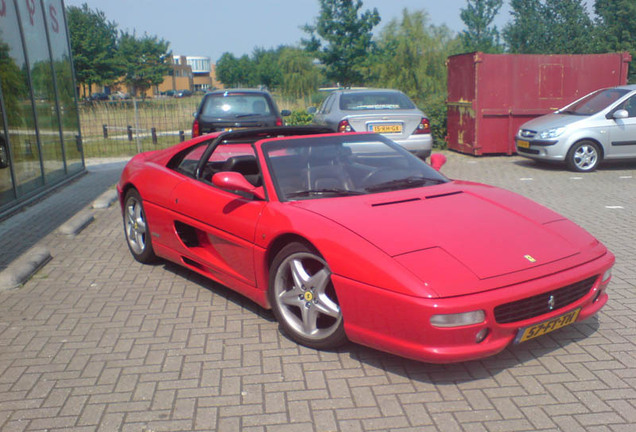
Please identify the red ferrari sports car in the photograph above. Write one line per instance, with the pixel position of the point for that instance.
(350, 237)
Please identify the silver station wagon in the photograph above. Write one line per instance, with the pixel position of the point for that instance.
(384, 111)
(599, 126)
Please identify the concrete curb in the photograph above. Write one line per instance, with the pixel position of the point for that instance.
(77, 223)
(25, 266)
(105, 200)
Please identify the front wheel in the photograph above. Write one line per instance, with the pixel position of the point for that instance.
(303, 298)
(136, 228)
(584, 156)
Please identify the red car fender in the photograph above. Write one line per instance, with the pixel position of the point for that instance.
(347, 254)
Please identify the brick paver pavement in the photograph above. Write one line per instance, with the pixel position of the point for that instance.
(97, 342)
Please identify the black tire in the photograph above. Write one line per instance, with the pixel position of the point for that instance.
(584, 156)
(303, 298)
(136, 228)
(4, 155)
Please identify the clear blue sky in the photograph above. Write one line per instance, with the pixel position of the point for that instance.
(212, 27)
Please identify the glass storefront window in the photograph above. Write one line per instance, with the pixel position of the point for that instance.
(56, 26)
(43, 86)
(7, 194)
(40, 142)
(25, 152)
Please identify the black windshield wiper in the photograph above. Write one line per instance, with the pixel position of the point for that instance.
(407, 182)
(246, 115)
(333, 191)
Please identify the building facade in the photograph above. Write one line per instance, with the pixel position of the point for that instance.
(40, 139)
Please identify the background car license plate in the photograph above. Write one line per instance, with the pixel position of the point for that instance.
(387, 128)
(547, 326)
(523, 144)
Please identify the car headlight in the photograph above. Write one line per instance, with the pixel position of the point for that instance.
(551, 133)
(607, 275)
(458, 320)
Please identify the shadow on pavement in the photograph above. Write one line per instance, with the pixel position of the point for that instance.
(27, 227)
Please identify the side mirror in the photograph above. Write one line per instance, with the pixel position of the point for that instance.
(285, 113)
(620, 114)
(234, 181)
(311, 110)
(437, 161)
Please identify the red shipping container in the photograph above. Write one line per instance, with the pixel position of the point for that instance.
(491, 95)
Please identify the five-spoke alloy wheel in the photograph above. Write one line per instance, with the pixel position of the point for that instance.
(136, 228)
(303, 298)
(584, 156)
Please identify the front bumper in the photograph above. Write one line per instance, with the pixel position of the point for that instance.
(549, 150)
(400, 324)
(420, 145)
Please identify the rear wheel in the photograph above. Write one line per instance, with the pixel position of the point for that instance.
(303, 298)
(584, 156)
(136, 228)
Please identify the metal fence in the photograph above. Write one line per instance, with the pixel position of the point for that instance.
(127, 127)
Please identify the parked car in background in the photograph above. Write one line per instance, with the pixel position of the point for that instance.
(599, 126)
(183, 93)
(233, 109)
(119, 95)
(98, 96)
(351, 237)
(388, 112)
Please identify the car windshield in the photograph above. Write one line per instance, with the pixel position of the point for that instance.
(235, 105)
(594, 102)
(345, 165)
(374, 101)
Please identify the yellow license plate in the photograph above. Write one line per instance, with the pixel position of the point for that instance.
(547, 326)
(394, 128)
(523, 144)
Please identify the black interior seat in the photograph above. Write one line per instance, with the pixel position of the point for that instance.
(246, 165)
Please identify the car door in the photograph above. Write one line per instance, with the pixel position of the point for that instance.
(623, 132)
(217, 226)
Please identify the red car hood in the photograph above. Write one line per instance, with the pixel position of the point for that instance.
(490, 231)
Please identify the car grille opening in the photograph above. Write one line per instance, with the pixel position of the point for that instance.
(540, 304)
(527, 150)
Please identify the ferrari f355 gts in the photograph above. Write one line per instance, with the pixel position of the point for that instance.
(349, 237)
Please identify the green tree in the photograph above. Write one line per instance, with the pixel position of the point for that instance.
(480, 34)
(616, 28)
(13, 82)
(94, 47)
(144, 61)
(342, 39)
(526, 33)
(300, 77)
(413, 60)
(266, 68)
(549, 27)
(235, 72)
(414, 53)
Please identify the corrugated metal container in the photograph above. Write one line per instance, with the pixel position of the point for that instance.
(491, 95)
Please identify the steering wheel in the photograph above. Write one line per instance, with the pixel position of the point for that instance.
(381, 175)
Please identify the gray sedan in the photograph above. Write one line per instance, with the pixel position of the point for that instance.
(388, 112)
(601, 125)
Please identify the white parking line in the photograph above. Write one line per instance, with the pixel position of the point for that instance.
(614, 207)
(526, 179)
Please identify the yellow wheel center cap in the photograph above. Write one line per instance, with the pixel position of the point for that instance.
(309, 296)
